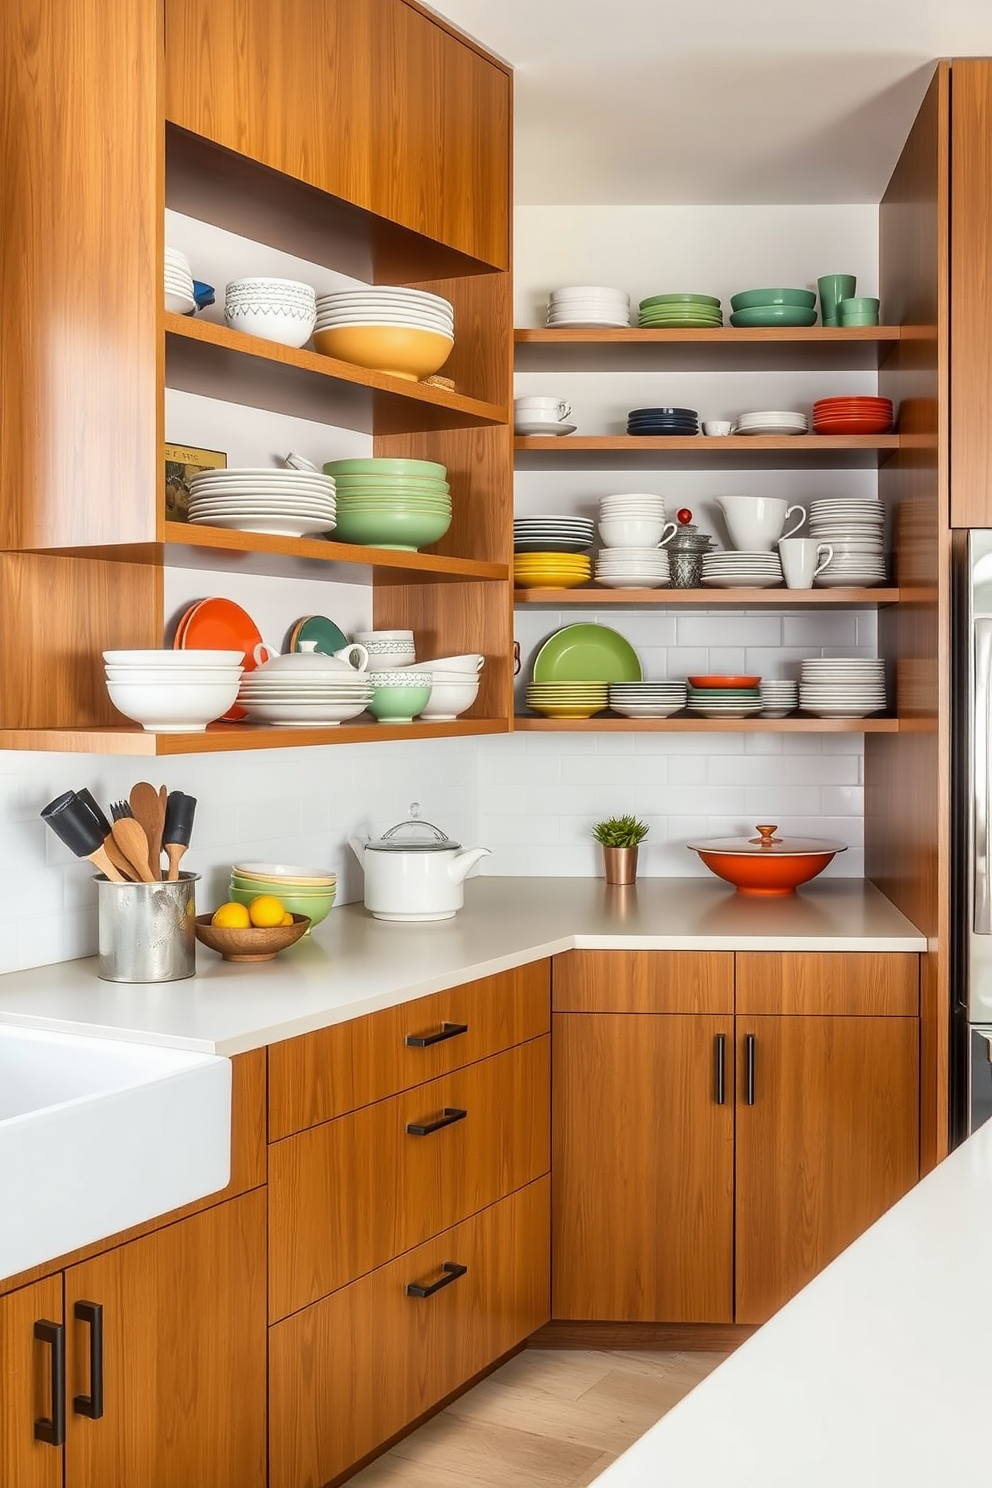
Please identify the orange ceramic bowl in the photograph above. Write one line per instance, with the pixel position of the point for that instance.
(405, 351)
(724, 681)
(772, 875)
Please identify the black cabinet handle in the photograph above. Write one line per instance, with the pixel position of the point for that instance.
(446, 1031)
(749, 1044)
(451, 1270)
(721, 1069)
(91, 1405)
(51, 1429)
(424, 1129)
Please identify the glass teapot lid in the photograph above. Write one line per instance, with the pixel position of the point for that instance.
(414, 835)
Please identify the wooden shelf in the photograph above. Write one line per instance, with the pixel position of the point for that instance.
(683, 725)
(860, 348)
(215, 362)
(695, 451)
(222, 738)
(774, 599)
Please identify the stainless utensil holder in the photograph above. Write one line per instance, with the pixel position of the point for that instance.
(146, 930)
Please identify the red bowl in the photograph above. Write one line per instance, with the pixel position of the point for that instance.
(724, 681)
(880, 425)
(768, 875)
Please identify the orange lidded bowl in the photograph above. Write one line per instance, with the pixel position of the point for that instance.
(766, 865)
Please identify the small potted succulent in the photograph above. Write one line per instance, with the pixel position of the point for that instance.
(620, 837)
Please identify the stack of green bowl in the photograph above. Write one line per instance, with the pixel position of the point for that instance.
(680, 312)
(773, 307)
(305, 891)
(402, 504)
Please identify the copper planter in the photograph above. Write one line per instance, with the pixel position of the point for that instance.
(621, 864)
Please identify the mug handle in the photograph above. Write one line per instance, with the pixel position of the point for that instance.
(667, 533)
(516, 659)
(823, 548)
(792, 531)
(347, 653)
(564, 409)
(263, 653)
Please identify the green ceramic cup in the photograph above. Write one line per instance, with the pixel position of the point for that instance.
(859, 320)
(833, 288)
(860, 311)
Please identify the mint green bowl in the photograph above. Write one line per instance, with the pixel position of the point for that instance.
(774, 315)
(391, 529)
(751, 299)
(399, 702)
(317, 906)
(375, 466)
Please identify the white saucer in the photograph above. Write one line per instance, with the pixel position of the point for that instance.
(526, 430)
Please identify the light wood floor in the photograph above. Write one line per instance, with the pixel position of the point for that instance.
(544, 1420)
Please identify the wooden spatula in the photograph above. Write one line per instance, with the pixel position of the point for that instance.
(149, 810)
(130, 838)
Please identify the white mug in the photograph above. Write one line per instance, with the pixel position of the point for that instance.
(717, 426)
(801, 560)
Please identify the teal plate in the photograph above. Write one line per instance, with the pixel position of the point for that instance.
(587, 653)
(318, 628)
(774, 315)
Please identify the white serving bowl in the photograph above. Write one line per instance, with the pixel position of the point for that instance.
(263, 287)
(154, 676)
(287, 325)
(173, 707)
(168, 656)
(630, 532)
(450, 699)
(470, 665)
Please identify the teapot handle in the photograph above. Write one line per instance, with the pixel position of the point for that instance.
(263, 653)
(349, 653)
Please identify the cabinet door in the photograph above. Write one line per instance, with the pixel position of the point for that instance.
(971, 275)
(642, 1158)
(183, 1356)
(829, 1141)
(26, 1382)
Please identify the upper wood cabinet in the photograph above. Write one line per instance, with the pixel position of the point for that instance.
(971, 285)
(376, 103)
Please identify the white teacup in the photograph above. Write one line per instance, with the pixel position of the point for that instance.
(718, 427)
(802, 561)
(755, 523)
(540, 410)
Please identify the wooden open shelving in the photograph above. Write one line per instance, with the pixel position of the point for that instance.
(697, 452)
(726, 349)
(772, 599)
(221, 738)
(680, 725)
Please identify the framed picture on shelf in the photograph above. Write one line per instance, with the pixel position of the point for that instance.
(181, 464)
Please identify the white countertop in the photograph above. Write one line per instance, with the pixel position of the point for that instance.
(875, 1376)
(353, 964)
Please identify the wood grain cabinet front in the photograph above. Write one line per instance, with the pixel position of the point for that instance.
(351, 1194)
(32, 1397)
(351, 1371)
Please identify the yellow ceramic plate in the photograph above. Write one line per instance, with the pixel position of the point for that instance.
(568, 710)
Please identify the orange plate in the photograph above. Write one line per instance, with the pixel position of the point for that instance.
(765, 874)
(724, 681)
(220, 625)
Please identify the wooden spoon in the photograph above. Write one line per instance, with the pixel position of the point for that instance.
(120, 862)
(130, 838)
(149, 810)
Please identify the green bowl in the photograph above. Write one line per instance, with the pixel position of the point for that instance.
(391, 483)
(858, 305)
(391, 528)
(859, 320)
(375, 466)
(317, 908)
(774, 315)
(679, 299)
(398, 704)
(751, 299)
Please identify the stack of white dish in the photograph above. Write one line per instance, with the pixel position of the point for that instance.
(772, 421)
(283, 503)
(633, 568)
(568, 699)
(853, 526)
(778, 698)
(636, 520)
(282, 310)
(647, 699)
(588, 305)
(407, 332)
(742, 570)
(388, 648)
(455, 686)
(173, 692)
(304, 688)
(842, 687)
(386, 304)
(178, 283)
(552, 534)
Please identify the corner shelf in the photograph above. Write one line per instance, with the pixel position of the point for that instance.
(727, 349)
(697, 452)
(678, 725)
(777, 599)
(228, 738)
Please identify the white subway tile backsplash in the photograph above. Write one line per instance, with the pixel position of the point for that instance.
(741, 630)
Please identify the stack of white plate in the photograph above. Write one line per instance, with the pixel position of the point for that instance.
(282, 503)
(552, 534)
(741, 570)
(778, 698)
(318, 696)
(842, 687)
(386, 304)
(853, 526)
(589, 305)
(178, 283)
(772, 421)
(632, 568)
(647, 699)
(568, 699)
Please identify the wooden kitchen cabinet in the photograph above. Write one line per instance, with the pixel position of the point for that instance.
(26, 1380)
(970, 339)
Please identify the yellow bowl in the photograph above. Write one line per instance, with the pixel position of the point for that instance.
(404, 351)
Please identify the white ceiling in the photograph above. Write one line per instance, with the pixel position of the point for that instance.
(641, 101)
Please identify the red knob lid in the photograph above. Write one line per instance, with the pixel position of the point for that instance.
(684, 516)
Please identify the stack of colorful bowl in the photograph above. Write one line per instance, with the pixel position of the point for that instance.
(860, 415)
(305, 891)
(407, 332)
(680, 312)
(551, 570)
(549, 552)
(773, 307)
(724, 697)
(391, 503)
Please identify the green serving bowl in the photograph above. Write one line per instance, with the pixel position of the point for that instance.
(751, 299)
(406, 484)
(375, 466)
(398, 704)
(317, 907)
(774, 315)
(679, 299)
(391, 529)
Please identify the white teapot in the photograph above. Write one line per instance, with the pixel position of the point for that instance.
(309, 662)
(414, 871)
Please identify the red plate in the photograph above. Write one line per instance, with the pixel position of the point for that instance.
(709, 681)
(220, 625)
(850, 426)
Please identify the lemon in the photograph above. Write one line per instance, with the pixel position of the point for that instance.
(266, 910)
(231, 917)
(287, 918)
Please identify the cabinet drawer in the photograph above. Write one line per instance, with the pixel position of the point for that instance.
(353, 1193)
(644, 982)
(353, 1370)
(856, 983)
(335, 1070)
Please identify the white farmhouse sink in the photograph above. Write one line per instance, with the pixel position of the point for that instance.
(97, 1135)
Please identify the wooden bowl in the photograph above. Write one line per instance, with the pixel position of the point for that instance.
(253, 944)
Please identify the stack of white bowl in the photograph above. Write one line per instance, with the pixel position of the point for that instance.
(282, 310)
(588, 305)
(778, 698)
(455, 686)
(388, 649)
(632, 528)
(269, 499)
(304, 688)
(842, 687)
(173, 692)
(408, 332)
(853, 526)
(647, 699)
(178, 283)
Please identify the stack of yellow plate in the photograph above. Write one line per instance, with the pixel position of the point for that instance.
(551, 570)
(567, 699)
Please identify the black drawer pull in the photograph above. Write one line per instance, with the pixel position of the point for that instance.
(451, 1270)
(446, 1031)
(749, 1044)
(424, 1129)
(51, 1429)
(91, 1405)
(721, 1069)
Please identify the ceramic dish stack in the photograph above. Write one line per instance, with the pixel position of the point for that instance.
(568, 699)
(778, 698)
(772, 421)
(773, 307)
(842, 687)
(852, 415)
(574, 669)
(680, 312)
(280, 310)
(305, 689)
(854, 528)
(666, 421)
(552, 534)
(647, 699)
(391, 503)
(724, 697)
(454, 687)
(588, 305)
(386, 648)
(305, 891)
(273, 500)
(180, 297)
(741, 570)
(633, 568)
(408, 332)
(173, 692)
(551, 570)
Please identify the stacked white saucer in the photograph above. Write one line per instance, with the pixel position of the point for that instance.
(772, 421)
(741, 570)
(632, 568)
(386, 304)
(588, 305)
(647, 699)
(273, 500)
(178, 283)
(842, 687)
(778, 698)
(854, 528)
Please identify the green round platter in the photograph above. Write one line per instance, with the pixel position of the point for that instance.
(749, 299)
(587, 653)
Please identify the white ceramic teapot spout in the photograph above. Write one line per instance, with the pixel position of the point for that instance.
(358, 846)
(460, 867)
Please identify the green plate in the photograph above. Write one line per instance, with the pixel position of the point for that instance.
(587, 653)
(753, 299)
(318, 628)
(679, 299)
(774, 315)
(374, 465)
(677, 322)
